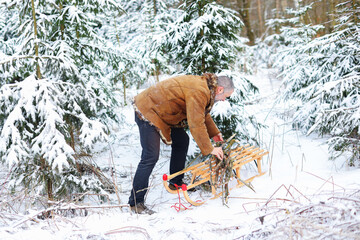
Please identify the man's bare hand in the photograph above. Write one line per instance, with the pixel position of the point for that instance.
(218, 152)
(218, 138)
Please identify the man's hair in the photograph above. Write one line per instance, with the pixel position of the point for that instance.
(226, 82)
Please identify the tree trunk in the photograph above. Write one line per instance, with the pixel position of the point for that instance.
(62, 26)
(305, 19)
(307, 15)
(354, 14)
(203, 57)
(332, 15)
(47, 180)
(277, 27)
(200, 13)
(244, 6)
(50, 190)
(38, 73)
(261, 23)
(123, 79)
(154, 60)
(277, 3)
(325, 18)
(155, 9)
(156, 69)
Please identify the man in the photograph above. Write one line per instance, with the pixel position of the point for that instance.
(160, 112)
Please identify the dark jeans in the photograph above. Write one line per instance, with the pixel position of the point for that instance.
(150, 143)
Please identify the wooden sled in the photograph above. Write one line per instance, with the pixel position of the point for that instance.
(208, 171)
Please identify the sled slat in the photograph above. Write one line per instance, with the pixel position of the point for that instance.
(202, 172)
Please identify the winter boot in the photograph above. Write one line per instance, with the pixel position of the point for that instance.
(140, 208)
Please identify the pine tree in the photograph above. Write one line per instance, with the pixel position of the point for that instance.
(54, 68)
(140, 26)
(205, 38)
(324, 74)
(287, 33)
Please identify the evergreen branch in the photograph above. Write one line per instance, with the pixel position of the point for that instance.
(20, 57)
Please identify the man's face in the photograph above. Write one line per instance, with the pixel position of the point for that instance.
(221, 96)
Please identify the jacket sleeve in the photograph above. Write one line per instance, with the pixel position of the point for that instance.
(211, 126)
(195, 113)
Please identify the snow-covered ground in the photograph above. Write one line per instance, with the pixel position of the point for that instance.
(303, 195)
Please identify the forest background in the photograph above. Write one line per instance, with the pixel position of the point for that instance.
(69, 68)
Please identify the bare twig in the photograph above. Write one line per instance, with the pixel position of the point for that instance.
(130, 229)
(62, 208)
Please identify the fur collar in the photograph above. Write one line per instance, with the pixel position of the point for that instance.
(211, 80)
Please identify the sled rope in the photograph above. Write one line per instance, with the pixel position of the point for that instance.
(177, 206)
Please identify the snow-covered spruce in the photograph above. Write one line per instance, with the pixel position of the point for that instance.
(323, 74)
(56, 90)
(204, 38)
(35, 135)
(138, 30)
(328, 86)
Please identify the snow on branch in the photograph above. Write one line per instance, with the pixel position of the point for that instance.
(35, 122)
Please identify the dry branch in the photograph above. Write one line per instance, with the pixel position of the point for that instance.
(49, 212)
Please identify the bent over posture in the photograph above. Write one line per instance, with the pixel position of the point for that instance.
(161, 111)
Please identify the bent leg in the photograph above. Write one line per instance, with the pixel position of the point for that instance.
(179, 149)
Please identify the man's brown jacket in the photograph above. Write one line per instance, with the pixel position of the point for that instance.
(171, 101)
